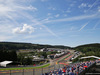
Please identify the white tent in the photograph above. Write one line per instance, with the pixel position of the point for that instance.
(4, 63)
(90, 57)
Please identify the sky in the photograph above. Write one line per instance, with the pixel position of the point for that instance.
(53, 22)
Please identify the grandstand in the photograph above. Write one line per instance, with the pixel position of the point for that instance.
(80, 68)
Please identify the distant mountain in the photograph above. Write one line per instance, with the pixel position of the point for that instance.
(19, 45)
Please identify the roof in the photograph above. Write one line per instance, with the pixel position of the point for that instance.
(4, 63)
(90, 57)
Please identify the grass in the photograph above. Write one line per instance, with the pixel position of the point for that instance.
(20, 68)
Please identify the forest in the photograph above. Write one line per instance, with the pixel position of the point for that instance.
(89, 49)
(17, 46)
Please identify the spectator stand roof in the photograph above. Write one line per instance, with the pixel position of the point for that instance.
(90, 57)
(4, 63)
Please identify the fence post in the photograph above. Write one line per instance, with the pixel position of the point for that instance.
(10, 72)
(33, 71)
(48, 68)
(42, 70)
(23, 72)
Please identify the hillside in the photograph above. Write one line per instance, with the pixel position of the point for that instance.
(89, 49)
(18, 45)
(90, 45)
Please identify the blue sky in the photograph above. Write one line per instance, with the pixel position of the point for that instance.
(54, 22)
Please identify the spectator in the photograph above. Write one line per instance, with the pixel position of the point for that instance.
(73, 69)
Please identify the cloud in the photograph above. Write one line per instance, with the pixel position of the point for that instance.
(13, 13)
(46, 28)
(84, 25)
(65, 15)
(46, 19)
(40, 28)
(5, 37)
(72, 4)
(82, 5)
(49, 14)
(75, 18)
(74, 35)
(49, 30)
(71, 28)
(4, 9)
(25, 29)
(52, 8)
(95, 2)
(96, 25)
(67, 11)
(11, 6)
(30, 7)
(57, 15)
(88, 5)
(44, 0)
(98, 8)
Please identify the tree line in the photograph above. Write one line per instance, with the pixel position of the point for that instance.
(89, 49)
(8, 55)
(17, 46)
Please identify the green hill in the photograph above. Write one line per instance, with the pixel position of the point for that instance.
(18, 45)
(89, 49)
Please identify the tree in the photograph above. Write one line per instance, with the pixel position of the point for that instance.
(21, 58)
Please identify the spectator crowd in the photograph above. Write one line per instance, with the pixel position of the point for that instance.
(72, 69)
